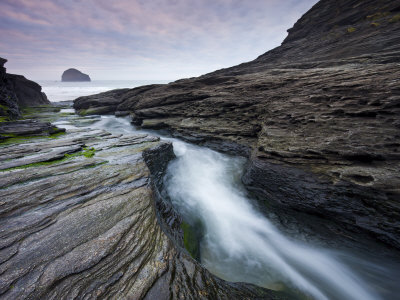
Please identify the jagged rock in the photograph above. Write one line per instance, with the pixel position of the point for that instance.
(9, 109)
(28, 92)
(86, 225)
(318, 116)
(74, 75)
(16, 91)
(2, 68)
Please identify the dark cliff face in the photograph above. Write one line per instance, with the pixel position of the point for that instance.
(9, 109)
(28, 92)
(334, 33)
(16, 91)
(74, 75)
(318, 116)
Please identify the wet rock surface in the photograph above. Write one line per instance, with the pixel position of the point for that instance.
(35, 122)
(79, 219)
(318, 116)
(28, 127)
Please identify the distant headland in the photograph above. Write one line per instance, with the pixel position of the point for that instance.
(74, 75)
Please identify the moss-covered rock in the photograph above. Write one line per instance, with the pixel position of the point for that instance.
(192, 235)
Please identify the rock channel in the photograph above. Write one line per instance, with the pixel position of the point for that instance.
(81, 217)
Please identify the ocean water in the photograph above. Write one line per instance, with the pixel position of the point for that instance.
(63, 91)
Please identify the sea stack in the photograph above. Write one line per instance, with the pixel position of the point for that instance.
(74, 75)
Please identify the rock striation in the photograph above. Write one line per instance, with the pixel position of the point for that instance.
(318, 116)
(74, 75)
(79, 219)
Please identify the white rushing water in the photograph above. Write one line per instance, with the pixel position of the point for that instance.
(240, 244)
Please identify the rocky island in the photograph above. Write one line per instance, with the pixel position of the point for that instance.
(84, 213)
(73, 75)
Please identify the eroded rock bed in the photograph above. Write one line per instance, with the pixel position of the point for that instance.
(83, 213)
(79, 219)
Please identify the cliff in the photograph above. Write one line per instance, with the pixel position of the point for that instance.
(318, 117)
(8, 100)
(16, 92)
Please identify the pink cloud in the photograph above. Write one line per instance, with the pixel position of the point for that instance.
(191, 34)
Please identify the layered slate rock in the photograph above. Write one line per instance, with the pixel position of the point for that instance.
(318, 116)
(28, 127)
(78, 219)
(74, 75)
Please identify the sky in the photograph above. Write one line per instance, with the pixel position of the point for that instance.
(140, 39)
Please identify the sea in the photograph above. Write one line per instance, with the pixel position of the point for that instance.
(64, 91)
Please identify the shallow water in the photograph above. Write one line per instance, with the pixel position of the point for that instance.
(240, 244)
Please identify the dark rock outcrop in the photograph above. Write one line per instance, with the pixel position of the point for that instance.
(318, 116)
(78, 220)
(108, 102)
(28, 92)
(103, 103)
(16, 92)
(18, 95)
(9, 109)
(74, 75)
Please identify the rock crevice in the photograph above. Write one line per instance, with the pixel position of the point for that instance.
(80, 218)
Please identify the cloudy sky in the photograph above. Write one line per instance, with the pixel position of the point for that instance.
(140, 39)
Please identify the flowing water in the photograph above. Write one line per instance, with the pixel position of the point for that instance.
(240, 244)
